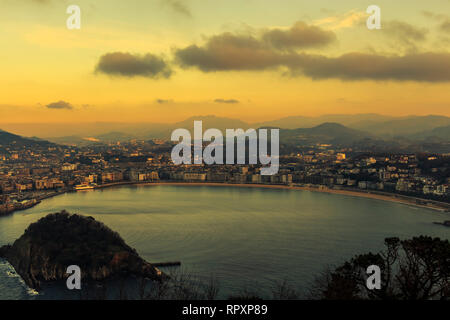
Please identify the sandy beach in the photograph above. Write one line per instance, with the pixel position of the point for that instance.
(417, 202)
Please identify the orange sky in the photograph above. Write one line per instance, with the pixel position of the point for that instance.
(164, 61)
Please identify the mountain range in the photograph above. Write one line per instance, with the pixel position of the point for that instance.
(328, 132)
(336, 129)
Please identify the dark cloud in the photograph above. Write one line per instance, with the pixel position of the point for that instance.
(429, 67)
(60, 105)
(179, 6)
(163, 101)
(130, 65)
(300, 35)
(227, 101)
(228, 51)
(275, 50)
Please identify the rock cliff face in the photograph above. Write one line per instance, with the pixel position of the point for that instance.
(49, 246)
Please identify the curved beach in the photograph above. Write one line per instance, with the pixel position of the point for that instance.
(407, 200)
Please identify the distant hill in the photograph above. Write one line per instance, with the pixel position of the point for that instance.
(328, 132)
(148, 131)
(375, 124)
(441, 133)
(383, 127)
(220, 123)
(9, 139)
(208, 122)
(114, 130)
(404, 126)
(79, 129)
(349, 120)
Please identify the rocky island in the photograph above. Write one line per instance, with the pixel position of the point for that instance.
(48, 246)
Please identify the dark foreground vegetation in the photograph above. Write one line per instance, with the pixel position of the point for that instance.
(414, 269)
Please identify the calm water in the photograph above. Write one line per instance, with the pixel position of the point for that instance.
(243, 236)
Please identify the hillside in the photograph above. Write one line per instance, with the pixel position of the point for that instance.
(405, 126)
(10, 139)
(374, 125)
(208, 122)
(48, 246)
(334, 133)
(440, 133)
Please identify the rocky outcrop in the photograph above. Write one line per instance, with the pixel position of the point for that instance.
(49, 246)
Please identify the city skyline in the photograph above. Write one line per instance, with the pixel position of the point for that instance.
(165, 61)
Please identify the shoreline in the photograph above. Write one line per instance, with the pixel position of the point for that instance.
(374, 195)
(407, 200)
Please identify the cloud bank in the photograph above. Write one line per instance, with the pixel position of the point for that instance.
(283, 50)
(128, 65)
(300, 35)
(427, 67)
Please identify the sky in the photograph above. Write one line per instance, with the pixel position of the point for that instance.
(255, 60)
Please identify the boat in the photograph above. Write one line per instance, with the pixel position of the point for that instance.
(80, 187)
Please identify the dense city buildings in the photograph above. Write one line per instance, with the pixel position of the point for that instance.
(30, 174)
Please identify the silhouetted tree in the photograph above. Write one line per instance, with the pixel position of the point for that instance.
(415, 269)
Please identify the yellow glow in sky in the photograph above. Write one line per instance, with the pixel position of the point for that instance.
(165, 61)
